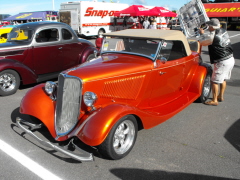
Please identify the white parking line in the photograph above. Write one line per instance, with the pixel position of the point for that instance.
(234, 35)
(27, 162)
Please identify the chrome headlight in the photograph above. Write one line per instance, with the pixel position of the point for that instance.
(50, 87)
(89, 98)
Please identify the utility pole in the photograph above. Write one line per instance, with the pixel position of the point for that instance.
(53, 4)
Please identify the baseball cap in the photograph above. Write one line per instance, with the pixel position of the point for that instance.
(214, 22)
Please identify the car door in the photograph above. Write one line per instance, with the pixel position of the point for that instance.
(47, 52)
(167, 75)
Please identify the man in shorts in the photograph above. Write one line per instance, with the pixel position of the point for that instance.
(221, 56)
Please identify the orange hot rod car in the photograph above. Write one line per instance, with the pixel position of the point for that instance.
(142, 78)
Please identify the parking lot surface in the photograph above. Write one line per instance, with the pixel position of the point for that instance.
(200, 142)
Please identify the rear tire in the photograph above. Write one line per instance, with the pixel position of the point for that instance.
(206, 89)
(121, 138)
(9, 82)
(90, 57)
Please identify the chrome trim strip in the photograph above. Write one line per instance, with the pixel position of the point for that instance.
(130, 53)
(85, 156)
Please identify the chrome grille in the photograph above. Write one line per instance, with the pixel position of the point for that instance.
(68, 103)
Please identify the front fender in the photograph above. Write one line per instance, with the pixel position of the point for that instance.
(99, 123)
(38, 104)
(26, 74)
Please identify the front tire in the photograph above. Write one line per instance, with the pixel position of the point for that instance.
(9, 82)
(121, 138)
(206, 89)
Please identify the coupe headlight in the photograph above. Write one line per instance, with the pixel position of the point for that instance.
(89, 98)
(50, 87)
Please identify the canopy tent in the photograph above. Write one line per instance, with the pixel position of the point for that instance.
(160, 11)
(222, 9)
(39, 15)
(135, 10)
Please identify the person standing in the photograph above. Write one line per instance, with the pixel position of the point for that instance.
(221, 56)
(146, 24)
(125, 21)
(153, 24)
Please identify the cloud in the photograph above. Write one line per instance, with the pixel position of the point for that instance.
(143, 2)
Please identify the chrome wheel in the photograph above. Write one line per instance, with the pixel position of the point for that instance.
(124, 137)
(207, 87)
(120, 139)
(7, 82)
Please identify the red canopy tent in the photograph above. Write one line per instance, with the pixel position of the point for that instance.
(160, 11)
(135, 10)
(222, 9)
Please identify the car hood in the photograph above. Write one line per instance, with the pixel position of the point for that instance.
(111, 65)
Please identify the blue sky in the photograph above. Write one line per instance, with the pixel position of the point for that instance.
(13, 7)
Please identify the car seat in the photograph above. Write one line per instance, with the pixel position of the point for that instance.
(41, 37)
(54, 36)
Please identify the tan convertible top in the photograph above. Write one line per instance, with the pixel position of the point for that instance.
(153, 34)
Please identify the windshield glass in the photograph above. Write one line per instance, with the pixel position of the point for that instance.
(20, 35)
(146, 47)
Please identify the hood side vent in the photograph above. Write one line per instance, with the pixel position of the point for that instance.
(126, 88)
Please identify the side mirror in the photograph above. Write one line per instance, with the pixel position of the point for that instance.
(163, 59)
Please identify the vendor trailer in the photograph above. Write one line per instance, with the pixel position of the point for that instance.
(90, 18)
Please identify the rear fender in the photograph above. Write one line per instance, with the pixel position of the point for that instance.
(99, 123)
(26, 74)
(86, 53)
(38, 104)
(198, 78)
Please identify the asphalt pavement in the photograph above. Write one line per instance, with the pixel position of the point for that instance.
(201, 142)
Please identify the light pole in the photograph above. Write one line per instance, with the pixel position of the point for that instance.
(53, 4)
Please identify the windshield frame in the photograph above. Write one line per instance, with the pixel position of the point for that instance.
(153, 58)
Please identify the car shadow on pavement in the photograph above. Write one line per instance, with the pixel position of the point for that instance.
(232, 135)
(140, 174)
(43, 133)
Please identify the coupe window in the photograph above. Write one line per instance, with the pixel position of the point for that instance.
(146, 47)
(66, 34)
(20, 35)
(47, 35)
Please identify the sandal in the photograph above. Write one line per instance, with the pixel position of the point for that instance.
(212, 103)
(220, 99)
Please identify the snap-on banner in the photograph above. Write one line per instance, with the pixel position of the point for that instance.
(222, 9)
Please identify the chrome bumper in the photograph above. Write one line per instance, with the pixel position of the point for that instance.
(83, 156)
